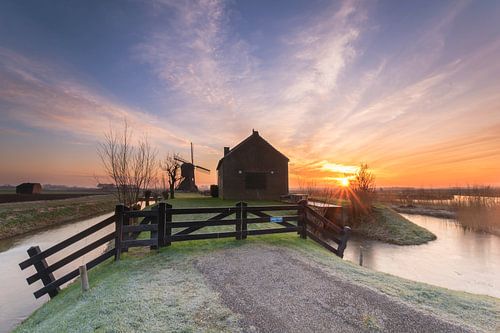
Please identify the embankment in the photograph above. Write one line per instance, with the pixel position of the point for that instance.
(17, 218)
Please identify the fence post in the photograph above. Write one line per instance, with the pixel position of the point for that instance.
(302, 223)
(41, 267)
(155, 234)
(162, 210)
(119, 209)
(238, 220)
(126, 221)
(84, 277)
(346, 233)
(168, 224)
(244, 226)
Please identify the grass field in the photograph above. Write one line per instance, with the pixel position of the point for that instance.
(164, 292)
(17, 218)
(13, 197)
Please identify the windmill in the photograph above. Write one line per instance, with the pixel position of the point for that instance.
(188, 183)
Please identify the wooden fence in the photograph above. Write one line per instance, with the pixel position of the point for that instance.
(163, 228)
(44, 272)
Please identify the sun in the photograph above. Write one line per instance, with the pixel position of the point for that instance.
(344, 182)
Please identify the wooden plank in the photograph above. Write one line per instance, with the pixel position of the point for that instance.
(271, 231)
(145, 220)
(41, 268)
(73, 256)
(140, 242)
(271, 208)
(244, 220)
(343, 241)
(261, 214)
(201, 224)
(312, 214)
(237, 224)
(73, 274)
(204, 210)
(119, 210)
(325, 233)
(302, 221)
(73, 239)
(142, 213)
(213, 218)
(321, 242)
(176, 238)
(162, 214)
(168, 225)
(140, 228)
(285, 219)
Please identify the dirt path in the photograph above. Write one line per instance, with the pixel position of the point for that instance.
(274, 290)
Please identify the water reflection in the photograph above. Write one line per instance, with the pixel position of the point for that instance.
(16, 297)
(458, 259)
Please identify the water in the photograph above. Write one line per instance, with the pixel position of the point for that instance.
(16, 296)
(458, 259)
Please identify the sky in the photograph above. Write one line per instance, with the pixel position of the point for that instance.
(412, 88)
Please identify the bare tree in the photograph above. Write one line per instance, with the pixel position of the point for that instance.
(364, 180)
(132, 168)
(363, 188)
(172, 168)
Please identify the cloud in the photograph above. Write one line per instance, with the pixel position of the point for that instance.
(41, 96)
(195, 55)
(217, 78)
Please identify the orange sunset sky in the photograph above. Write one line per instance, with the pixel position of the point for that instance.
(411, 89)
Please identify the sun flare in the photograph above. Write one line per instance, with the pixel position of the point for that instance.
(344, 182)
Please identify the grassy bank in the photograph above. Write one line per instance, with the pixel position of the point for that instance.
(20, 217)
(153, 292)
(386, 225)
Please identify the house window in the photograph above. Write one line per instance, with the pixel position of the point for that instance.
(255, 180)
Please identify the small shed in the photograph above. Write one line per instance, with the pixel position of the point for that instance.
(252, 170)
(29, 188)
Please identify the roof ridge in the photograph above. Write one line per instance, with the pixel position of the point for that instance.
(255, 134)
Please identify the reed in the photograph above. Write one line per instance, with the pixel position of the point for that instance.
(478, 209)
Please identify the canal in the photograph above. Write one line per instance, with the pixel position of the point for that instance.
(16, 296)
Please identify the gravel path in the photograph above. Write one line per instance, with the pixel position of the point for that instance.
(275, 291)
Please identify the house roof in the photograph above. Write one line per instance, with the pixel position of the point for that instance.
(253, 136)
(28, 184)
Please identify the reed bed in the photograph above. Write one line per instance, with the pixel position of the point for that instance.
(475, 207)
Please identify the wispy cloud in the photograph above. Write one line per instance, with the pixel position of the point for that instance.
(223, 80)
(40, 95)
(197, 56)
